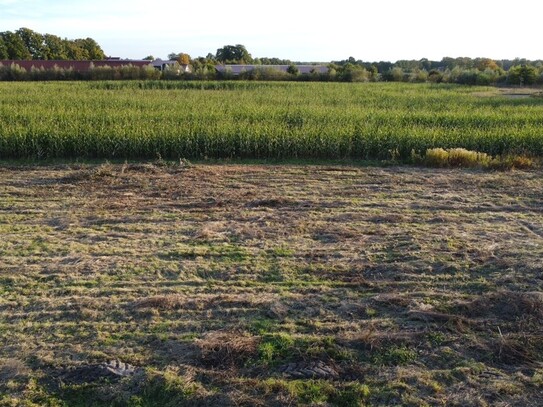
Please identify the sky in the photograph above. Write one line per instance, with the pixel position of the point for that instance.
(310, 31)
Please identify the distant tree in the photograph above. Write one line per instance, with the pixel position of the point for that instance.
(418, 76)
(332, 71)
(25, 44)
(435, 76)
(234, 54)
(425, 64)
(183, 59)
(397, 74)
(33, 42)
(16, 48)
(75, 52)
(3, 49)
(409, 65)
(293, 70)
(273, 61)
(448, 63)
(54, 47)
(522, 75)
(180, 57)
(203, 68)
(486, 63)
(384, 66)
(353, 73)
(90, 49)
(373, 72)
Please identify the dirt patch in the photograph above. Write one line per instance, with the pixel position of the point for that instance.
(104, 372)
(511, 93)
(520, 93)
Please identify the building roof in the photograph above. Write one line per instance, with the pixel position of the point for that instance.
(238, 69)
(161, 62)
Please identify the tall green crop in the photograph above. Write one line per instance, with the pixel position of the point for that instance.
(137, 119)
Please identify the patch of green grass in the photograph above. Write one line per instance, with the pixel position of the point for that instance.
(263, 326)
(395, 356)
(150, 388)
(276, 348)
(317, 392)
(353, 394)
(436, 338)
(29, 394)
(281, 251)
(164, 389)
(281, 348)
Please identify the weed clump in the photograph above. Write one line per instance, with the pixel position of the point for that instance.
(463, 158)
(455, 157)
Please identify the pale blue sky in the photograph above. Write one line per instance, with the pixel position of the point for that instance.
(316, 30)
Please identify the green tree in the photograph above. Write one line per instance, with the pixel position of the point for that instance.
(435, 76)
(54, 47)
(522, 75)
(75, 52)
(293, 70)
(33, 42)
(90, 48)
(397, 74)
(353, 73)
(374, 73)
(25, 44)
(3, 49)
(234, 54)
(149, 58)
(16, 48)
(418, 76)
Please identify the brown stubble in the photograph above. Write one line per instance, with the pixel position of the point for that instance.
(154, 264)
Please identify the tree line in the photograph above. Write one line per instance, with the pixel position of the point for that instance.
(467, 71)
(25, 44)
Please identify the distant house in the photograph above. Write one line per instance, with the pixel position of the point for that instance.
(236, 70)
(78, 66)
(162, 65)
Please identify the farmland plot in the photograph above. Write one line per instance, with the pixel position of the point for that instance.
(172, 120)
(148, 284)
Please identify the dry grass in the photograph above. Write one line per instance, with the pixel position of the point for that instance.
(462, 158)
(224, 349)
(416, 285)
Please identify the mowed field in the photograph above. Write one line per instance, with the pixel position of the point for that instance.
(198, 120)
(169, 285)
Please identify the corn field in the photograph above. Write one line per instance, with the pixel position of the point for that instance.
(196, 120)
